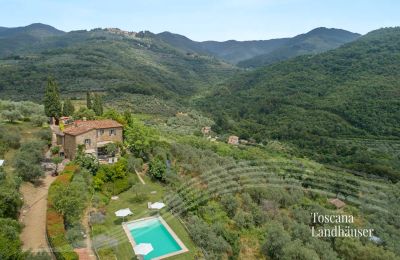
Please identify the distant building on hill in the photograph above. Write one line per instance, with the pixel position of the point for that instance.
(233, 139)
(337, 203)
(93, 135)
(206, 130)
(243, 141)
(181, 114)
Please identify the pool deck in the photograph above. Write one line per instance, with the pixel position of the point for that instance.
(171, 232)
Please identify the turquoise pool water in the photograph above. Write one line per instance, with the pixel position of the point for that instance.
(154, 232)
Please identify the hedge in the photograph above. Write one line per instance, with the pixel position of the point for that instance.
(55, 223)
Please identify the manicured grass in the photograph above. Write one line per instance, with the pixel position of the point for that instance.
(112, 225)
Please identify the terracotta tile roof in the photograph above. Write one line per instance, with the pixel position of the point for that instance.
(80, 126)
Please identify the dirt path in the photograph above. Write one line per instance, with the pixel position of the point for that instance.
(144, 171)
(86, 253)
(33, 215)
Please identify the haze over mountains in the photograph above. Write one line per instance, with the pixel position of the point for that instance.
(243, 53)
(262, 52)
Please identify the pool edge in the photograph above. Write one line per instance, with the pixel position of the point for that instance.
(184, 249)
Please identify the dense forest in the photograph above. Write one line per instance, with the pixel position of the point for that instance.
(104, 61)
(322, 103)
(316, 41)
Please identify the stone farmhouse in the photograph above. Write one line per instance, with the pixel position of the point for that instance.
(93, 135)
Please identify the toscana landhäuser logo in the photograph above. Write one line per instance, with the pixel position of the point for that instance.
(337, 226)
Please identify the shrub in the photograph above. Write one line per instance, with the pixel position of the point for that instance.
(134, 163)
(243, 219)
(97, 218)
(10, 138)
(75, 236)
(157, 169)
(139, 198)
(117, 187)
(87, 161)
(55, 226)
(27, 161)
(10, 245)
(55, 149)
(11, 116)
(204, 236)
(10, 202)
(45, 135)
(113, 179)
(38, 120)
(70, 200)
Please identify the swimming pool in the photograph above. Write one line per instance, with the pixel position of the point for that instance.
(155, 231)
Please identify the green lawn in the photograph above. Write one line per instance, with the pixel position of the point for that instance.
(112, 226)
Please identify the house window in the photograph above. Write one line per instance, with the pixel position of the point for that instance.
(101, 131)
(112, 132)
(87, 141)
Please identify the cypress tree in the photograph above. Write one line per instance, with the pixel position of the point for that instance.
(52, 103)
(98, 105)
(68, 109)
(89, 103)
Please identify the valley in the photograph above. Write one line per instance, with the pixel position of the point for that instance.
(241, 141)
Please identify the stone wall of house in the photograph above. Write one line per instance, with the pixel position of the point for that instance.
(69, 146)
(103, 136)
(90, 135)
(71, 143)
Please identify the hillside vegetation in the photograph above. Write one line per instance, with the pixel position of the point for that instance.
(19, 38)
(264, 52)
(102, 60)
(316, 41)
(320, 103)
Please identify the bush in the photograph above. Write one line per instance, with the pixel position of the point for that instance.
(55, 149)
(133, 163)
(55, 226)
(113, 179)
(75, 236)
(45, 135)
(204, 236)
(11, 116)
(10, 245)
(56, 235)
(97, 218)
(27, 161)
(139, 198)
(117, 187)
(38, 120)
(70, 200)
(10, 202)
(157, 169)
(87, 161)
(10, 138)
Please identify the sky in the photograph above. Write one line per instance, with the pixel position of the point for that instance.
(206, 19)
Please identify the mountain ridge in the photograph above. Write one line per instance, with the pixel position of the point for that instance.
(108, 61)
(242, 53)
(318, 40)
(320, 103)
